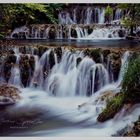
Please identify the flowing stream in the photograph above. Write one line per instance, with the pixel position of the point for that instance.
(65, 101)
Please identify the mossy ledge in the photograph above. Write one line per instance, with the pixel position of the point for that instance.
(130, 93)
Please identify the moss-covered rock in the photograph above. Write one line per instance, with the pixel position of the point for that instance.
(58, 52)
(41, 50)
(112, 108)
(27, 66)
(95, 54)
(115, 63)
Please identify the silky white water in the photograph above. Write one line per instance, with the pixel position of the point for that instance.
(63, 97)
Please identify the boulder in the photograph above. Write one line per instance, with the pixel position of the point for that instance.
(8, 95)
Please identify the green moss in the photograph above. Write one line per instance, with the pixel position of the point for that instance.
(113, 106)
(96, 54)
(131, 81)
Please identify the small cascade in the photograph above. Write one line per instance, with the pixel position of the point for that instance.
(21, 32)
(38, 76)
(83, 15)
(84, 84)
(124, 61)
(117, 14)
(100, 77)
(15, 78)
(60, 87)
(72, 75)
(77, 22)
(81, 31)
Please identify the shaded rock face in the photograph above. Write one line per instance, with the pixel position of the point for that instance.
(121, 33)
(112, 59)
(51, 59)
(58, 52)
(115, 63)
(27, 66)
(78, 60)
(40, 50)
(95, 54)
(8, 94)
(9, 62)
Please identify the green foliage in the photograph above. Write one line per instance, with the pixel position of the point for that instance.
(108, 12)
(131, 81)
(113, 106)
(95, 54)
(133, 18)
(15, 15)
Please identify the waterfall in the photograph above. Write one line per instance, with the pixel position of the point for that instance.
(77, 19)
(88, 15)
(15, 78)
(38, 76)
(124, 61)
(69, 77)
(82, 32)
(89, 12)
(101, 16)
(117, 14)
(74, 75)
(60, 89)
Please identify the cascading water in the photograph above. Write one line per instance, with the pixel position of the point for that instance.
(68, 83)
(79, 22)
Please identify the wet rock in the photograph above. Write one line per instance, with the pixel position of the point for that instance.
(78, 60)
(112, 108)
(106, 95)
(8, 94)
(115, 63)
(52, 33)
(32, 64)
(95, 54)
(138, 33)
(9, 62)
(105, 53)
(25, 69)
(22, 49)
(87, 52)
(121, 33)
(41, 50)
(51, 59)
(73, 33)
(109, 36)
(58, 52)
(11, 52)
(36, 52)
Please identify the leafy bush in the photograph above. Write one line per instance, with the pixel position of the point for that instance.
(131, 81)
(108, 13)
